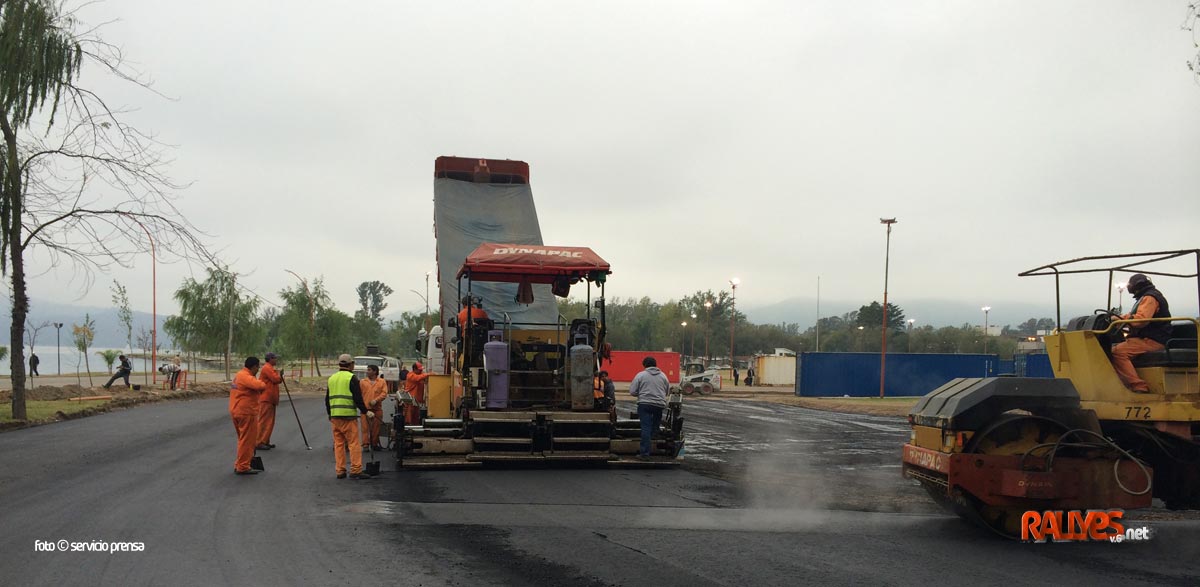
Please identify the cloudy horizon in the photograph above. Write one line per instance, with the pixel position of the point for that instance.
(685, 143)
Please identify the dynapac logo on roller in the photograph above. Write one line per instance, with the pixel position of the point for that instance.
(548, 253)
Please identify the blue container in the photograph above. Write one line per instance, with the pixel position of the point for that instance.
(908, 374)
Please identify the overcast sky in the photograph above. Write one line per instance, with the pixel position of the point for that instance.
(685, 142)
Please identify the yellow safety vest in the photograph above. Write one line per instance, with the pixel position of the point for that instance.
(341, 401)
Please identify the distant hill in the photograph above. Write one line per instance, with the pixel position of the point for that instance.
(110, 333)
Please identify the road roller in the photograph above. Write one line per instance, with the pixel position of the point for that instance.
(990, 449)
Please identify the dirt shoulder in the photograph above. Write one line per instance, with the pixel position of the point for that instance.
(891, 406)
(124, 398)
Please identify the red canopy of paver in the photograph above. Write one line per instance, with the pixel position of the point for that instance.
(531, 263)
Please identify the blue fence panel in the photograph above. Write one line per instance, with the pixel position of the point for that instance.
(1006, 367)
(908, 374)
(1038, 365)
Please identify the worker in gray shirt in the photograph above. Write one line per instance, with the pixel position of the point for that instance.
(650, 387)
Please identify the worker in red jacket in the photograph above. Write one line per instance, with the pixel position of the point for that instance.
(415, 386)
(267, 401)
(243, 409)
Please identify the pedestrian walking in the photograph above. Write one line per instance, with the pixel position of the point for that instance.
(650, 387)
(34, 361)
(735, 376)
(123, 371)
(267, 401)
(243, 410)
(343, 403)
(750, 376)
(374, 391)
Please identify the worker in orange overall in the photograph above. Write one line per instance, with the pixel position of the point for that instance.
(415, 386)
(267, 401)
(1144, 336)
(374, 391)
(243, 408)
(344, 403)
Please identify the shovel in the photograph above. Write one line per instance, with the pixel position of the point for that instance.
(372, 468)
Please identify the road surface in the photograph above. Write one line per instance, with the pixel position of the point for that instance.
(768, 495)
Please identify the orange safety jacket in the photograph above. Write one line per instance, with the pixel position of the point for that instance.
(272, 378)
(415, 386)
(597, 387)
(373, 391)
(244, 392)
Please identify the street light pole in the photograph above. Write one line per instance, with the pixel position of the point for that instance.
(985, 309)
(682, 336)
(1121, 300)
(886, 261)
(818, 313)
(427, 300)
(733, 283)
(153, 299)
(910, 327)
(861, 341)
(58, 344)
(707, 328)
(692, 349)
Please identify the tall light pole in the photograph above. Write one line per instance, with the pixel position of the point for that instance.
(985, 309)
(692, 351)
(707, 329)
(153, 299)
(58, 344)
(887, 253)
(427, 273)
(861, 341)
(1121, 300)
(682, 336)
(818, 313)
(733, 283)
(910, 327)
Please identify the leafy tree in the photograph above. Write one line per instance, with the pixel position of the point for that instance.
(83, 334)
(872, 315)
(370, 299)
(45, 175)
(330, 331)
(120, 300)
(110, 356)
(213, 318)
(3, 352)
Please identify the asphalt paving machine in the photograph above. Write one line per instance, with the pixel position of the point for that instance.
(516, 385)
(990, 449)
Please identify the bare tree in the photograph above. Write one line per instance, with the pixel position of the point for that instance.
(31, 332)
(91, 189)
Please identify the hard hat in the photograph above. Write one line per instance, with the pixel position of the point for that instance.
(344, 359)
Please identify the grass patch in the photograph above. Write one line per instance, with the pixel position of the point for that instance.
(45, 409)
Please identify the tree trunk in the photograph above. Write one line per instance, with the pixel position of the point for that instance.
(13, 194)
(88, 366)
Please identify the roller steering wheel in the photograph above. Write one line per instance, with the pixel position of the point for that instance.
(1119, 332)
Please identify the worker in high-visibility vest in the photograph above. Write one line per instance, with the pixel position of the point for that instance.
(343, 403)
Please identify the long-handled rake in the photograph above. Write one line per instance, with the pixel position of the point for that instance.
(290, 401)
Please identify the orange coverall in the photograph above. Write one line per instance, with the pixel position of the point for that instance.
(415, 386)
(267, 401)
(243, 409)
(373, 390)
(1123, 353)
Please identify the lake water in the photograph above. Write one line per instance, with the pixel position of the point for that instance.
(70, 358)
